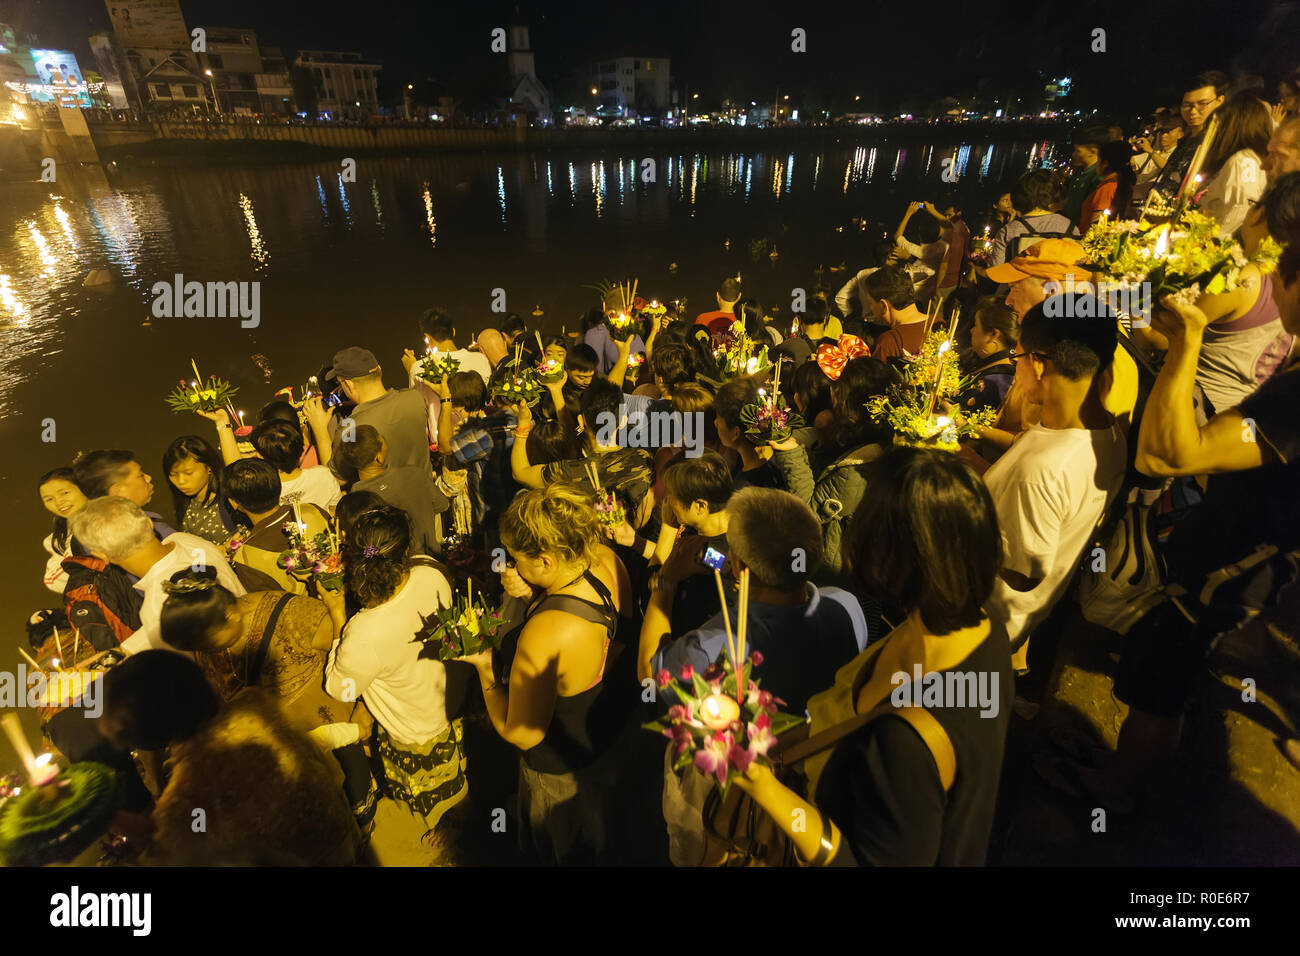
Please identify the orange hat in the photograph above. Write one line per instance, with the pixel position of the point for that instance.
(1052, 259)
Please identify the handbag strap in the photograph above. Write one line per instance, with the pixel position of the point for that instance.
(255, 672)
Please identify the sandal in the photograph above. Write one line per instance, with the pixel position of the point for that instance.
(1067, 777)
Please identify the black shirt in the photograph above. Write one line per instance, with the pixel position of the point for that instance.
(881, 786)
(696, 598)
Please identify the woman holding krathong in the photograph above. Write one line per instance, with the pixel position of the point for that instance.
(551, 689)
(909, 783)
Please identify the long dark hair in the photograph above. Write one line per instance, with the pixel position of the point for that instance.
(1118, 159)
(1243, 123)
(926, 539)
(812, 386)
(195, 607)
(60, 534)
(862, 379)
(198, 448)
(376, 554)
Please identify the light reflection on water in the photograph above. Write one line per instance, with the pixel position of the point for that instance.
(222, 223)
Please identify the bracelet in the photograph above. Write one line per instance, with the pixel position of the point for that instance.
(522, 430)
(227, 425)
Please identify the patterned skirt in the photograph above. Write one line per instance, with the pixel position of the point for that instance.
(429, 777)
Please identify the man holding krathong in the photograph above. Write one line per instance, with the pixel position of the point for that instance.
(1232, 556)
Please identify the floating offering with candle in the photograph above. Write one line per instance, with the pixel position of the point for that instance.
(550, 371)
(467, 627)
(436, 366)
(521, 388)
(195, 396)
(310, 559)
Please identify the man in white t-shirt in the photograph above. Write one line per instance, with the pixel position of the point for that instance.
(280, 444)
(117, 530)
(1059, 476)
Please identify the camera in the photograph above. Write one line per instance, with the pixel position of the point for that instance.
(333, 399)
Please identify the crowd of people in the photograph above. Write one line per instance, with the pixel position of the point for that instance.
(294, 706)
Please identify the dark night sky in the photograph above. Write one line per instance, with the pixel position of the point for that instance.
(722, 47)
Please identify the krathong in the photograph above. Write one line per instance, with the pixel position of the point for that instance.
(740, 355)
(465, 628)
(922, 408)
(436, 366)
(550, 371)
(1185, 258)
(519, 388)
(196, 396)
(722, 723)
(311, 558)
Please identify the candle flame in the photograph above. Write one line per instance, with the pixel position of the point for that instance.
(1162, 243)
(944, 346)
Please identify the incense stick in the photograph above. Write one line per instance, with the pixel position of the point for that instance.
(742, 626)
(31, 660)
(726, 618)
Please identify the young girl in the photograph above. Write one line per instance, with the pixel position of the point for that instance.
(63, 499)
(193, 467)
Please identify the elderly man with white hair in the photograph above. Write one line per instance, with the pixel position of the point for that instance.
(117, 530)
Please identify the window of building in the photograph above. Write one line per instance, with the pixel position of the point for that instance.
(162, 89)
(636, 64)
(191, 92)
(214, 59)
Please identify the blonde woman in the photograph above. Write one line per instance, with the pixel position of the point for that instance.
(549, 689)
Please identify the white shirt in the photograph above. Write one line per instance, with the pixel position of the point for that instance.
(469, 362)
(1050, 489)
(316, 485)
(377, 657)
(1232, 192)
(190, 551)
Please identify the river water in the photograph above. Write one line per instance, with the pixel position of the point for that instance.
(344, 262)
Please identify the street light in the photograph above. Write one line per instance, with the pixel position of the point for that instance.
(212, 82)
(858, 97)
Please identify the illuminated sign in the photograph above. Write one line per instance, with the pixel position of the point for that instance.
(60, 79)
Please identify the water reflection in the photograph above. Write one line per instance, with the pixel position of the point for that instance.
(151, 222)
(257, 247)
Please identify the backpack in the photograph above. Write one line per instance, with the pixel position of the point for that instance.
(100, 601)
(1018, 244)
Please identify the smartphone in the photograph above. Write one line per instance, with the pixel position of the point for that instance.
(920, 205)
(333, 399)
(714, 558)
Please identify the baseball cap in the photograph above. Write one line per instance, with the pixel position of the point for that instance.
(353, 362)
(1052, 259)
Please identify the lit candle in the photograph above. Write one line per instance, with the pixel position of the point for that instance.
(1162, 243)
(718, 712)
(14, 730)
(944, 346)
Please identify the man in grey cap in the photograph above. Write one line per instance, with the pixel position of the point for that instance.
(397, 414)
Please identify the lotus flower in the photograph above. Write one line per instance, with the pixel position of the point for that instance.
(664, 678)
(688, 672)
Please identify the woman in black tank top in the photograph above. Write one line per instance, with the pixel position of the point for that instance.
(548, 690)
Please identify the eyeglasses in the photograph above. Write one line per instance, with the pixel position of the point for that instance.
(1016, 355)
(1199, 106)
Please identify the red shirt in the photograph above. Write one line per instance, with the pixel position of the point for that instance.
(1100, 200)
(716, 322)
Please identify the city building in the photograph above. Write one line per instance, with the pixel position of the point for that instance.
(336, 85)
(149, 52)
(632, 86)
(527, 94)
(246, 78)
